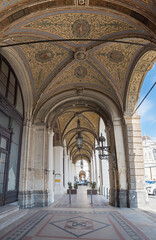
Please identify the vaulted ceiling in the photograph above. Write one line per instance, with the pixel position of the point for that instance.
(94, 55)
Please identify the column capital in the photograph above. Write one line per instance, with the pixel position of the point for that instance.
(117, 121)
(131, 119)
(50, 131)
(27, 122)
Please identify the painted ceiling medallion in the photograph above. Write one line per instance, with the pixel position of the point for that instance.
(115, 56)
(44, 56)
(81, 28)
(80, 55)
(80, 72)
(81, 2)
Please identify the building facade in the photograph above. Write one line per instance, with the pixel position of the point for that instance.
(149, 150)
(66, 66)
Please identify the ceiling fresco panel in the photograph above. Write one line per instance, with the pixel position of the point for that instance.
(93, 118)
(64, 119)
(80, 73)
(74, 24)
(43, 60)
(116, 59)
(84, 123)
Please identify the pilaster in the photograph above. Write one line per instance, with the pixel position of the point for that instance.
(35, 189)
(120, 174)
(58, 158)
(137, 195)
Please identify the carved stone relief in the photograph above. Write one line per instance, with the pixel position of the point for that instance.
(142, 67)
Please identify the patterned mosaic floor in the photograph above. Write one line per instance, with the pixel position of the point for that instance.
(61, 225)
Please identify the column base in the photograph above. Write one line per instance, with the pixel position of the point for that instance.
(118, 197)
(31, 199)
(138, 198)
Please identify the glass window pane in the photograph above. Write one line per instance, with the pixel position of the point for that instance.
(16, 132)
(12, 79)
(3, 143)
(4, 120)
(11, 89)
(2, 162)
(5, 68)
(13, 167)
(19, 104)
(2, 168)
(3, 78)
(2, 88)
(10, 98)
(1, 187)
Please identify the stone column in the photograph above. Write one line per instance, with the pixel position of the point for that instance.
(137, 195)
(51, 175)
(121, 187)
(35, 168)
(91, 170)
(67, 158)
(97, 172)
(26, 196)
(58, 158)
(42, 167)
(101, 176)
(94, 168)
(73, 173)
(70, 171)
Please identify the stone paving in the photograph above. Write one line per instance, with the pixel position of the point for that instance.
(85, 221)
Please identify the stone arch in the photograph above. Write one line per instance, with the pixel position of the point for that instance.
(109, 112)
(55, 105)
(140, 70)
(23, 78)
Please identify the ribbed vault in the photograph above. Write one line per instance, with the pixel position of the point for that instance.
(96, 72)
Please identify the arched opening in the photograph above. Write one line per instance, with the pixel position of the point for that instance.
(65, 154)
(88, 68)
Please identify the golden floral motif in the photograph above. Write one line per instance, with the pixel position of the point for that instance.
(116, 58)
(146, 1)
(92, 77)
(43, 59)
(77, 25)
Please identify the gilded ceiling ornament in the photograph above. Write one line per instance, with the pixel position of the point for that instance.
(79, 25)
(81, 28)
(44, 56)
(81, 2)
(80, 55)
(80, 72)
(43, 59)
(115, 56)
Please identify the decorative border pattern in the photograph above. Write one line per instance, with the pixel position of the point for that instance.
(75, 224)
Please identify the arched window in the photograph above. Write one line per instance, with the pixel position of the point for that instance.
(11, 122)
(9, 86)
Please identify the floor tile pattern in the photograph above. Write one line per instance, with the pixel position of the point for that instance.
(25, 227)
(61, 225)
(133, 232)
(150, 215)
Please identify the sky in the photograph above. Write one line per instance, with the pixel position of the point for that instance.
(147, 110)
